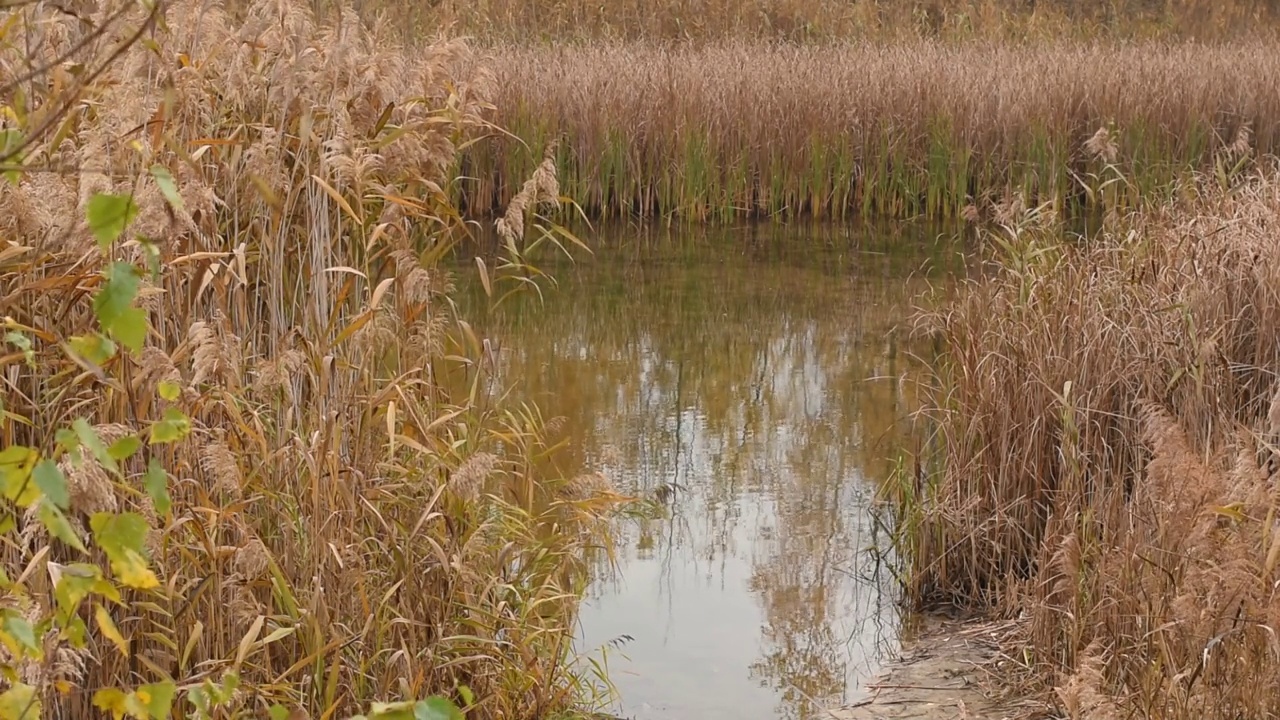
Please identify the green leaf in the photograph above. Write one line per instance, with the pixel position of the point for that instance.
(23, 343)
(49, 478)
(391, 711)
(16, 463)
(117, 293)
(172, 427)
(77, 581)
(67, 439)
(123, 538)
(19, 637)
(108, 216)
(89, 438)
(131, 328)
(56, 523)
(156, 483)
(75, 631)
(20, 702)
(10, 141)
(227, 689)
(95, 348)
(169, 390)
(154, 701)
(436, 708)
(115, 310)
(152, 253)
(278, 712)
(433, 708)
(168, 187)
(125, 447)
(200, 699)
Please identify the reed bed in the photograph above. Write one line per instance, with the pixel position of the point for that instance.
(903, 129)
(1104, 464)
(838, 20)
(229, 342)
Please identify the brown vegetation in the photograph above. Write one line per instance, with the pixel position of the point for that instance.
(343, 527)
(819, 20)
(1106, 422)
(872, 130)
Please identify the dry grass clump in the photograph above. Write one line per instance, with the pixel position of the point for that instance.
(900, 129)
(1107, 415)
(312, 546)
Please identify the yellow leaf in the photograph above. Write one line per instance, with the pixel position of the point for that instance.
(247, 641)
(484, 276)
(108, 628)
(169, 391)
(391, 423)
(16, 464)
(337, 197)
(355, 325)
(346, 269)
(376, 299)
(1234, 511)
(123, 538)
(20, 702)
(133, 572)
(111, 700)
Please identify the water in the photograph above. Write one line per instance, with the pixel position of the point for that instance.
(756, 383)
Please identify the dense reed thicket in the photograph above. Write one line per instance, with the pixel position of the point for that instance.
(824, 20)
(862, 130)
(227, 330)
(1106, 432)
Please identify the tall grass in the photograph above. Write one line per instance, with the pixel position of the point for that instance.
(1106, 416)
(904, 129)
(339, 527)
(825, 20)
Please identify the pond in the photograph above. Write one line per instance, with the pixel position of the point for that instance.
(756, 383)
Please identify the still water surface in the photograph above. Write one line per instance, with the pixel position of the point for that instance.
(756, 381)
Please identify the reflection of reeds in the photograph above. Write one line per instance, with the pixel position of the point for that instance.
(806, 315)
(729, 129)
(1107, 460)
(663, 331)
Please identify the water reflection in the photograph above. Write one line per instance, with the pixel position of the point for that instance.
(755, 381)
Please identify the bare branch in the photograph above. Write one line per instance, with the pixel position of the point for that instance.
(73, 95)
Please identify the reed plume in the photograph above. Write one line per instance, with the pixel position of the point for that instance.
(1106, 470)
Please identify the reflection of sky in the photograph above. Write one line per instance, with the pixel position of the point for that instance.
(748, 392)
(693, 605)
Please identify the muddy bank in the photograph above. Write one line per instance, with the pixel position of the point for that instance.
(945, 672)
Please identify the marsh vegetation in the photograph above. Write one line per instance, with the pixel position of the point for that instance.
(226, 319)
(263, 450)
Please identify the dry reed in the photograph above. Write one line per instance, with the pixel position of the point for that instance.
(909, 128)
(823, 20)
(311, 546)
(1105, 420)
